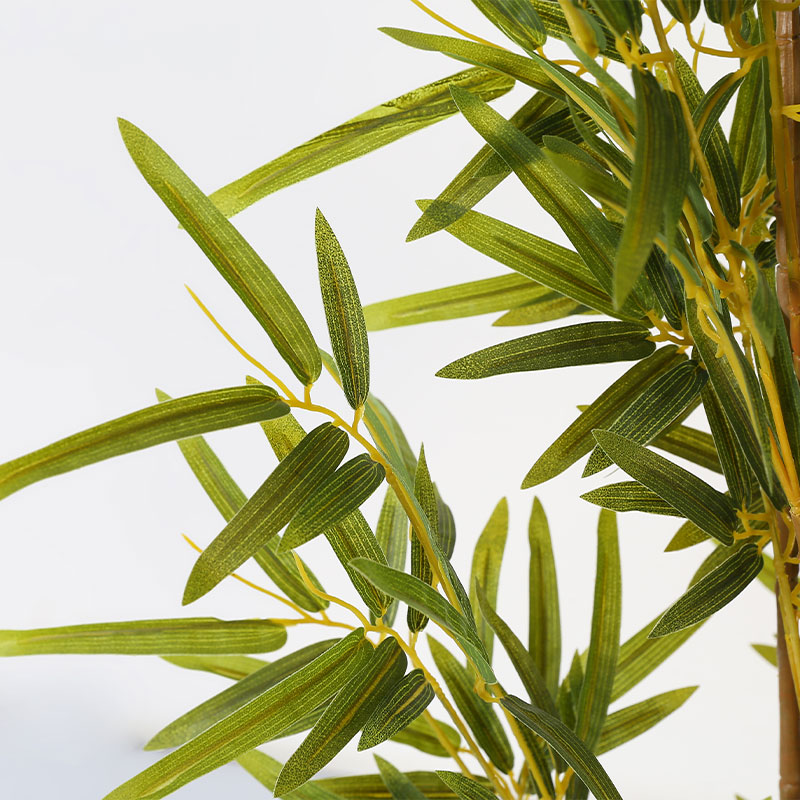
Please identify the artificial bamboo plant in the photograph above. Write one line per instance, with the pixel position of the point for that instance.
(686, 260)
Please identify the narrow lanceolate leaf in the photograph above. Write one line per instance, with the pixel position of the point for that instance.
(192, 635)
(633, 721)
(567, 744)
(712, 592)
(479, 715)
(517, 19)
(446, 526)
(521, 659)
(430, 603)
(233, 667)
(601, 662)
(454, 302)
(425, 494)
(271, 507)
(420, 734)
(392, 536)
(687, 535)
(372, 787)
(229, 498)
(228, 251)
(544, 616)
(343, 312)
(368, 131)
(266, 770)
(577, 439)
(660, 404)
(709, 509)
(590, 232)
(689, 443)
(253, 724)
(343, 718)
(464, 787)
(342, 493)
(588, 343)
(400, 707)
(629, 496)
(165, 422)
(226, 702)
(557, 25)
(398, 783)
(547, 308)
(747, 128)
(708, 111)
(653, 164)
(486, 561)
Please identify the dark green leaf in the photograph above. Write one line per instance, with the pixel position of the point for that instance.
(228, 251)
(683, 9)
(399, 785)
(629, 496)
(689, 443)
(708, 111)
(343, 312)
(620, 15)
(679, 177)
(748, 133)
(709, 509)
(271, 507)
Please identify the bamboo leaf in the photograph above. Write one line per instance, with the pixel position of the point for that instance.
(399, 785)
(708, 111)
(687, 535)
(748, 134)
(353, 705)
(420, 734)
(234, 667)
(517, 19)
(479, 715)
(392, 536)
(546, 309)
(165, 422)
(430, 603)
(265, 770)
(709, 509)
(577, 439)
(588, 343)
(343, 312)
(689, 443)
(464, 787)
(620, 15)
(228, 251)
(402, 705)
(604, 643)
(446, 527)
(486, 561)
(683, 9)
(633, 721)
(659, 405)
(253, 724)
(679, 177)
(372, 787)
(371, 130)
(271, 507)
(190, 635)
(454, 302)
(226, 702)
(653, 166)
(629, 496)
(420, 567)
(544, 616)
(556, 24)
(712, 592)
(586, 767)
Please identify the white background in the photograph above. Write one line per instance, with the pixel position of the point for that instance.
(94, 315)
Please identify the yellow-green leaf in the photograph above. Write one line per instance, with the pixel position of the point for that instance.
(464, 787)
(629, 496)
(392, 536)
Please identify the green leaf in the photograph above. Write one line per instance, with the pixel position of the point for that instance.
(549, 307)
(401, 706)
(165, 422)
(464, 787)
(372, 787)
(190, 635)
(228, 251)
(341, 494)
(547, 263)
(629, 496)
(454, 302)
(265, 770)
(420, 734)
(633, 721)
(653, 176)
(229, 498)
(392, 536)
(689, 443)
(344, 717)
(586, 767)
(369, 131)
(254, 723)
(226, 702)
(748, 134)
(420, 567)
(588, 343)
(479, 715)
(709, 509)
(604, 643)
(620, 15)
(271, 507)
(430, 603)
(708, 111)
(446, 527)
(517, 19)
(544, 616)
(234, 667)
(683, 9)
(486, 561)
(659, 405)
(769, 652)
(521, 660)
(577, 439)
(555, 23)
(399, 785)
(346, 325)
(712, 592)
(687, 535)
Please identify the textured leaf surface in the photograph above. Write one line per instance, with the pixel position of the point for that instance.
(464, 787)
(228, 251)
(398, 784)
(589, 343)
(689, 443)
(165, 422)
(234, 667)
(629, 496)
(420, 734)
(517, 19)
(265, 770)
(392, 537)
(372, 787)
(271, 507)
(425, 494)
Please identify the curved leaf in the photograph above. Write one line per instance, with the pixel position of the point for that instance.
(629, 496)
